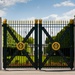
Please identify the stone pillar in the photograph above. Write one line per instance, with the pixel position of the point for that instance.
(1, 44)
(74, 42)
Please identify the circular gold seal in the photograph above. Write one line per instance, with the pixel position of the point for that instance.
(20, 46)
(55, 46)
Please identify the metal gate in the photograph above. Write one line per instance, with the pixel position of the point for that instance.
(37, 44)
(20, 44)
(56, 44)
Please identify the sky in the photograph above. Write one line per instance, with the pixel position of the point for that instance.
(37, 9)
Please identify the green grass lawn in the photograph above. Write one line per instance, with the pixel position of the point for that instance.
(24, 59)
(20, 59)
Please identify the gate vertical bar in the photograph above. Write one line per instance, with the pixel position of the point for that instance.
(74, 42)
(36, 44)
(4, 44)
(40, 44)
(71, 44)
(1, 44)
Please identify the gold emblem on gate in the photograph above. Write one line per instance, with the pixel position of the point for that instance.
(55, 46)
(20, 46)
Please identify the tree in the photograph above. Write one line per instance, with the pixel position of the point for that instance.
(30, 40)
(11, 43)
(66, 39)
(47, 41)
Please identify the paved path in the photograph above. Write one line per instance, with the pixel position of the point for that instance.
(38, 72)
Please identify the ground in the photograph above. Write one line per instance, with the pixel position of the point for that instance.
(54, 71)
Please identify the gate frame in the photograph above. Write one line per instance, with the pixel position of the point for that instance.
(40, 44)
(1, 53)
(72, 42)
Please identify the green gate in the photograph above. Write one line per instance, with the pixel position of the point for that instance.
(20, 44)
(37, 44)
(56, 44)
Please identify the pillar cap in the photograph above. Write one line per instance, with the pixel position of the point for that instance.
(71, 21)
(36, 21)
(40, 21)
(5, 21)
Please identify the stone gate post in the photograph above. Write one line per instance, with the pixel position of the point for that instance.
(74, 42)
(0, 43)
